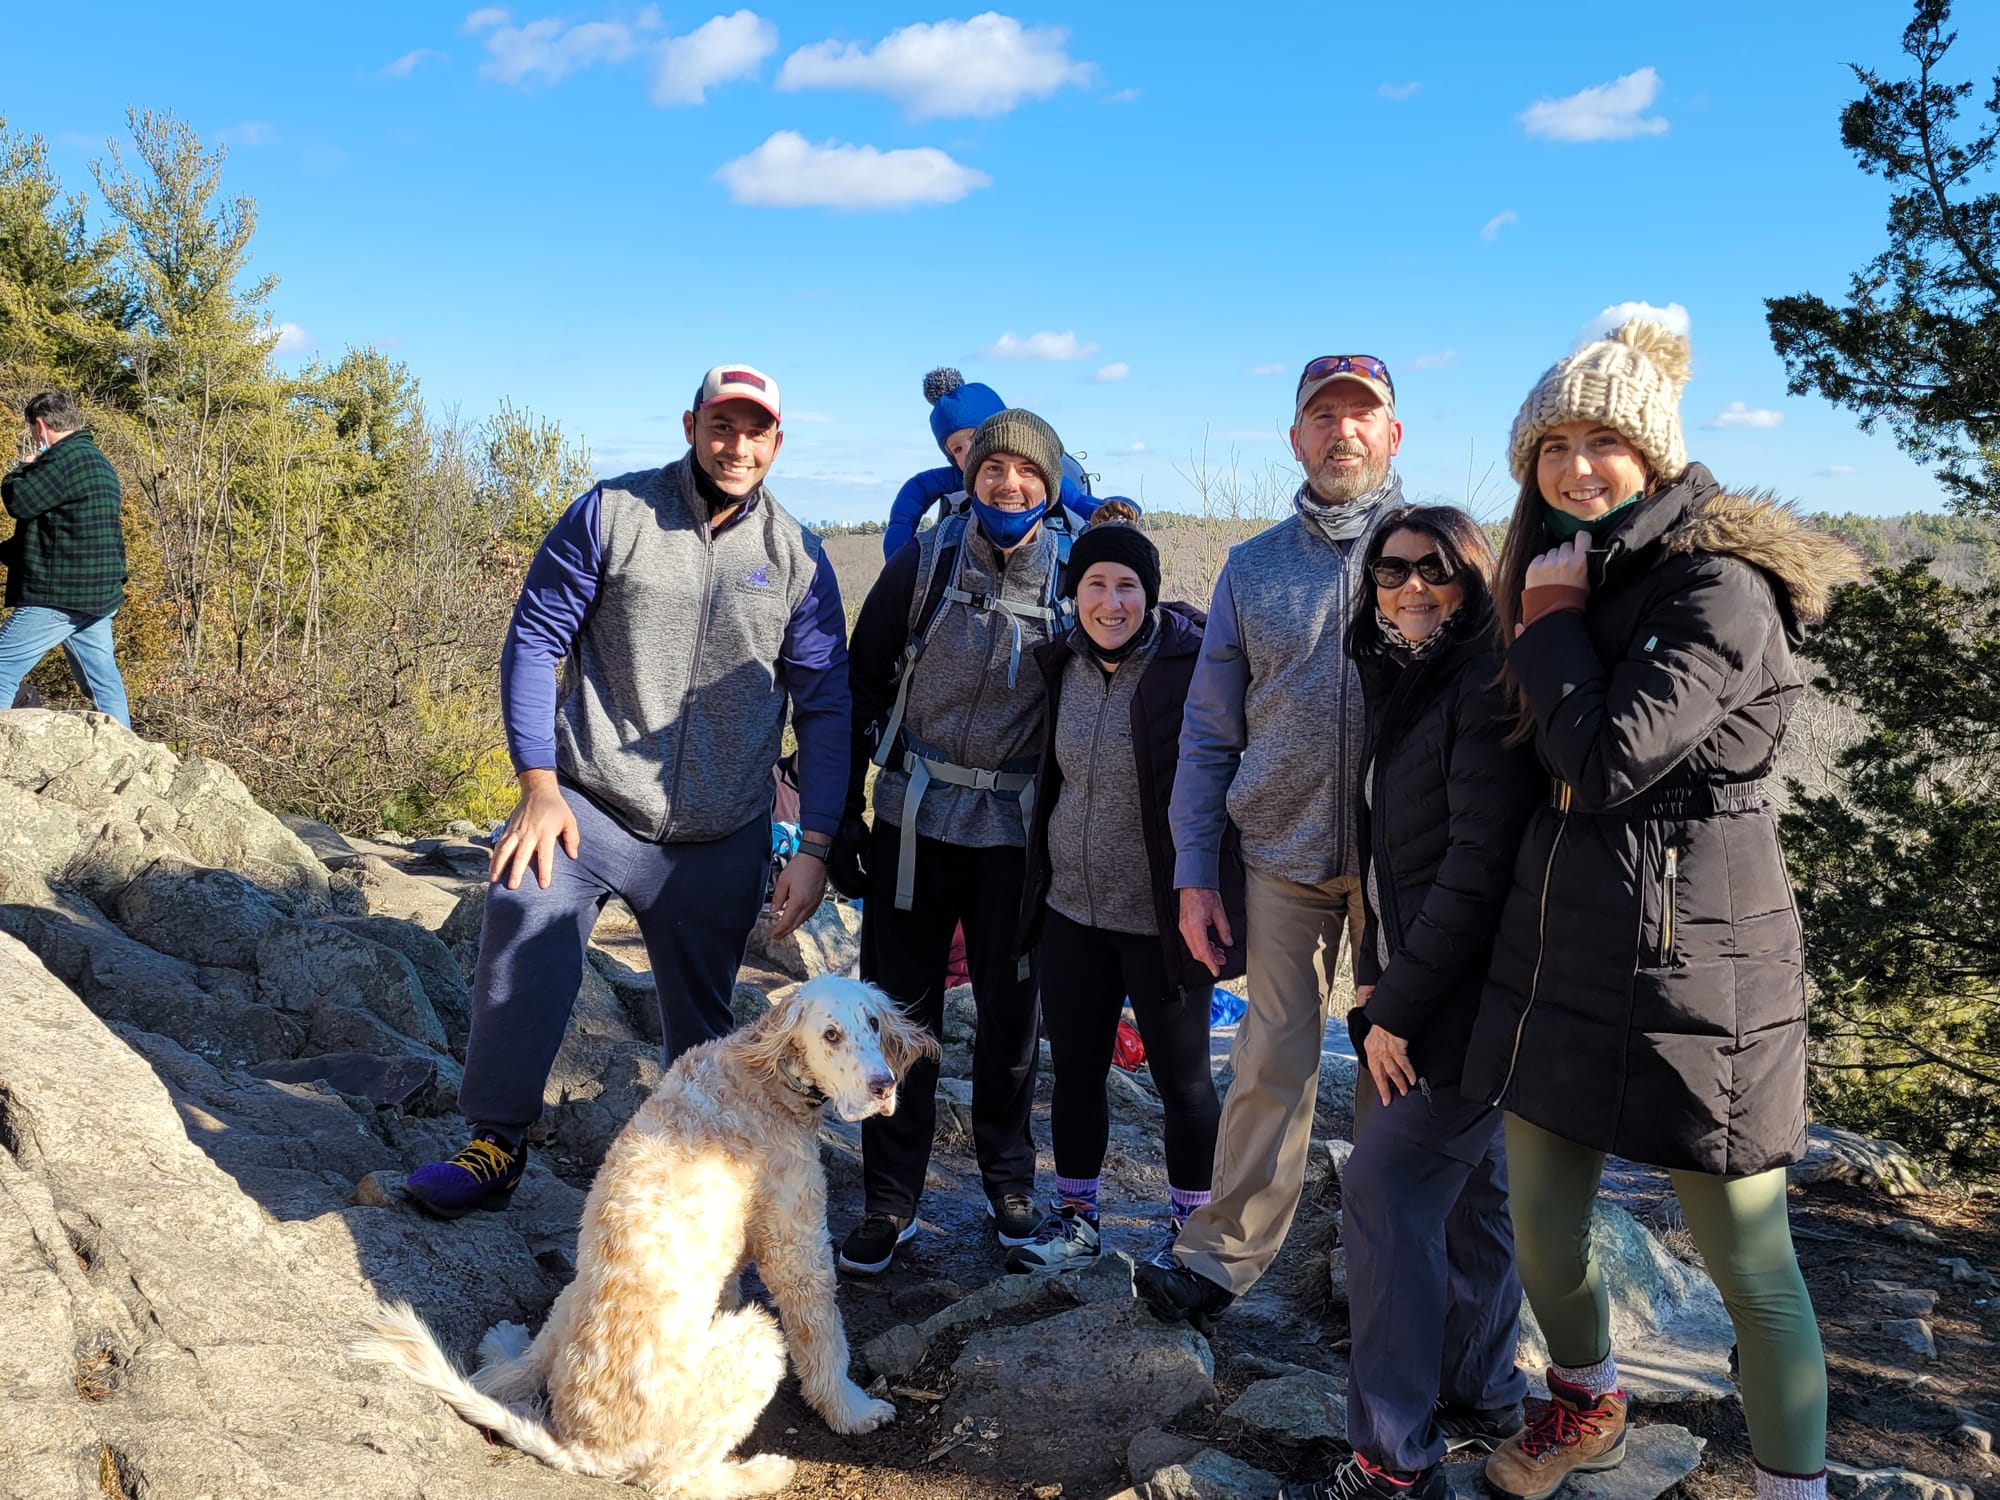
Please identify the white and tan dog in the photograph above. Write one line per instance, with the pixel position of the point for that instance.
(647, 1370)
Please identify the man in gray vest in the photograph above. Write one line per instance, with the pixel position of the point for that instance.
(1272, 739)
(687, 613)
(947, 702)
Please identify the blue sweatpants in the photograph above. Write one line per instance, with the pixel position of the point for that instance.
(695, 904)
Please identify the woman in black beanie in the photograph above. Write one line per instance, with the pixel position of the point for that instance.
(1099, 898)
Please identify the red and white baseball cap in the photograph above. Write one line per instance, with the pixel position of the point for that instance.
(738, 383)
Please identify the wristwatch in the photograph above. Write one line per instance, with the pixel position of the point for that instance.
(818, 851)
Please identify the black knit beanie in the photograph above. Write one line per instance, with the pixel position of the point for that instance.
(1114, 542)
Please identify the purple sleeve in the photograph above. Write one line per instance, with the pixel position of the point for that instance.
(561, 587)
(813, 668)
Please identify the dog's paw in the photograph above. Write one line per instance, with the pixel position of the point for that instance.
(764, 1474)
(859, 1412)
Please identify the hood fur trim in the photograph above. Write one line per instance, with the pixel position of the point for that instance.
(1770, 535)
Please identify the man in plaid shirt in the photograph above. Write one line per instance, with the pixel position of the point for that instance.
(66, 559)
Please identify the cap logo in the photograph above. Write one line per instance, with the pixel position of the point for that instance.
(743, 377)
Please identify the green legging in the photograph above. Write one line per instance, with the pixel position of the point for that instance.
(1744, 1233)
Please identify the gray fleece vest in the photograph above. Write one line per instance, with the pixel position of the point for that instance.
(960, 703)
(672, 714)
(1305, 726)
(1099, 874)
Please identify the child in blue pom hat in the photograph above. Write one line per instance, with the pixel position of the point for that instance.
(958, 406)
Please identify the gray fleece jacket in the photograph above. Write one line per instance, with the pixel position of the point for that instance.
(1275, 725)
(1099, 875)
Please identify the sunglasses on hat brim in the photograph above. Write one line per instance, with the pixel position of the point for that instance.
(1367, 366)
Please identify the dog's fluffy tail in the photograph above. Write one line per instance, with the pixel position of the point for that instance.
(397, 1336)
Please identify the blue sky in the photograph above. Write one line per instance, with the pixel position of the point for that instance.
(580, 209)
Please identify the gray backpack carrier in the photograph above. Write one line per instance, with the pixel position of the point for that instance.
(923, 761)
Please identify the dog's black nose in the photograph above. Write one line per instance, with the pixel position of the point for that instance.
(881, 1085)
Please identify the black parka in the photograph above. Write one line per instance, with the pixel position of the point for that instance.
(1157, 706)
(1647, 992)
(1446, 801)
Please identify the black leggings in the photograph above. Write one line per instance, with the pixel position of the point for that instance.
(1087, 974)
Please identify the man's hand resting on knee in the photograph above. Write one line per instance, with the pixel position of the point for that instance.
(540, 819)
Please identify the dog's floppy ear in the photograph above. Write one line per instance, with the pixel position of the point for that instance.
(767, 1037)
(903, 1040)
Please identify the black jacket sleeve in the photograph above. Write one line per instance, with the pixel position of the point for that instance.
(1612, 729)
(1490, 789)
(880, 634)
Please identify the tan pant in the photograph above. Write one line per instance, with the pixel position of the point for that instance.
(1266, 1131)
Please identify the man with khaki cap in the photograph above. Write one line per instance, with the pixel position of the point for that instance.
(1272, 740)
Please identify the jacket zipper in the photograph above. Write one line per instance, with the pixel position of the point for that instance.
(1541, 947)
(1090, 798)
(694, 664)
(979, 687)
(1667, 883)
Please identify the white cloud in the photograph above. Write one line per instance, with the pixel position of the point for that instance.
(249, 133)
(409, 62)
(1614, 111)
(1132, 450)
(788, 171)
(714, 52)
(1125, 96)
(1834, 471)
(1398, 90)
(290, 339)
(546, 51)
(1673, 315)
(1741, 414)
(1438, 361)
(1277, 369)
(1491, 229)
(984, 66)
(1042, 345)
(1114, 372)
(479, 20)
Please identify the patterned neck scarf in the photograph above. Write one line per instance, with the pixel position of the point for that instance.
(1401, 645)
(1341, 524)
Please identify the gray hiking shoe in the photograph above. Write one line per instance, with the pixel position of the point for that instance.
(1066, 1238)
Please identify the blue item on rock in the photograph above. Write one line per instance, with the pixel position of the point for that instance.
(1226, 1009)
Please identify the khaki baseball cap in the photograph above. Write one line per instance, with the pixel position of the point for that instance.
(1362, 369)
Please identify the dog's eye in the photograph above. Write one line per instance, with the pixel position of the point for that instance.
(875, 1024)
(832, 1036)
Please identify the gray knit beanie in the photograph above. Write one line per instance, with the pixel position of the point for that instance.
(1021, 433)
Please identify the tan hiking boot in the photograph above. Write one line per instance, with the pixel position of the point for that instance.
(1574, 1434)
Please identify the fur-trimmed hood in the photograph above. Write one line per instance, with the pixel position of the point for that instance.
(1774, 538)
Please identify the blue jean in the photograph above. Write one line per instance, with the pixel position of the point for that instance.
(695, 905)
(32, 632)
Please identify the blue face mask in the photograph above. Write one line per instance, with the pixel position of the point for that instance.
(1007, 529)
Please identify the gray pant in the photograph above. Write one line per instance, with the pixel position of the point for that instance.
(1433, 1298)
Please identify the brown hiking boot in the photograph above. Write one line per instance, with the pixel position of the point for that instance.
(1574, 1434)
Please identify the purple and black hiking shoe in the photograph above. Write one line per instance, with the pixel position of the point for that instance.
(483, 1175)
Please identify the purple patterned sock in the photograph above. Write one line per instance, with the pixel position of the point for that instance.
(1082, 1191)
(1182, 1202)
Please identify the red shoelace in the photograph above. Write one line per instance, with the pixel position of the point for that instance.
(1559, 1426)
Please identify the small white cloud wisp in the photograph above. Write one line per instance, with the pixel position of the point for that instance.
(1043, 345)
(289, 338)
(409, 62)
(946, 69)
(1116, 371)
(1740, 414)
(1490, 231)
(1614, 111)
(788, 171)
(717, 51)
(1673, 315)
(1398, 90)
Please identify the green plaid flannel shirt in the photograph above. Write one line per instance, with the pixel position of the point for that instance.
(67, 550)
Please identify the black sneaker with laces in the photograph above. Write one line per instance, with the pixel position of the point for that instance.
(1178, 1295)
(1468, 1429)
(1358, 1479)
(1015, 1218)
(871, 1244)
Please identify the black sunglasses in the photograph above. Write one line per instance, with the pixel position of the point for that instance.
(1394, 572)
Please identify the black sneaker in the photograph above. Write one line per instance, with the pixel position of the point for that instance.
(872, 1243)
(1358, 1479)
(1467, 1429)
(1015, 1218)
(1178, 1295)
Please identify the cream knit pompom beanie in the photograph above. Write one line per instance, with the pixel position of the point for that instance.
(1631, 381)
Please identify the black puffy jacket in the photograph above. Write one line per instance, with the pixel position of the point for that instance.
(1647, 992)
(1447, 799)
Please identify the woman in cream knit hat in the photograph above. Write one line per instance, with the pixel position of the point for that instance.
(1646, 996)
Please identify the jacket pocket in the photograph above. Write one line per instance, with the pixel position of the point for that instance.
(1670, 874)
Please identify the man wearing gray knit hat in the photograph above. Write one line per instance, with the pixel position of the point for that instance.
(950, 711)
(1272, 740)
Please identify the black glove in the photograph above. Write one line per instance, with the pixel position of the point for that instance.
(847, 860)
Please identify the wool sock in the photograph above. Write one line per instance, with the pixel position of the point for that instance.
(1772, 1485)
(1600, 1379)
(1182, 1202)
(1082, 1191)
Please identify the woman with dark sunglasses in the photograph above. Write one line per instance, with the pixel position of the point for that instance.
(1433, 1298)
